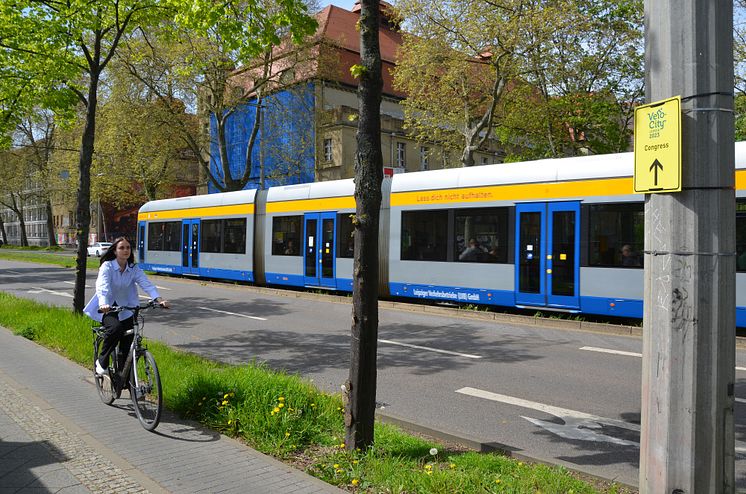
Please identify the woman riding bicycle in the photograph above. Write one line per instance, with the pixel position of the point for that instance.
(117, 282)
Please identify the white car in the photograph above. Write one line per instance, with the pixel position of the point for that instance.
(98, 248)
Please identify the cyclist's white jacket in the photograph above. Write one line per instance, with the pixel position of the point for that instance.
(115, 287)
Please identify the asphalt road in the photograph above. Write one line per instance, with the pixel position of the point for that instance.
(566, 397)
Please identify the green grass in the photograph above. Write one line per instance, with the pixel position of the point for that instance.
(286, 416)
(31, 254)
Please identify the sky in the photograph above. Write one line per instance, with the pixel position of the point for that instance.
(345, 4)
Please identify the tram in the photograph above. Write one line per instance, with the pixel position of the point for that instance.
(557, 234)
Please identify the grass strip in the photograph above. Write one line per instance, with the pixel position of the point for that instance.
(43, 257)
(287, 417)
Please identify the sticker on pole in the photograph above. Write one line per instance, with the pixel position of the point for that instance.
(658, 147)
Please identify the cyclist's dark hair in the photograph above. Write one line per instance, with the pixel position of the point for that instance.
(111, 252)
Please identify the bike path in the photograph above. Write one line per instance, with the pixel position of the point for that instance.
(57, 436)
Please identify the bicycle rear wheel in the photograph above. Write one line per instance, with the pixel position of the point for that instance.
(146, 396)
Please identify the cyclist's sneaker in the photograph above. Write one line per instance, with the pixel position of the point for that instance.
(100, 370)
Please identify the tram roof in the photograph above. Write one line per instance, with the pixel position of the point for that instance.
(201, 201)
(538, 171)
(316, 190)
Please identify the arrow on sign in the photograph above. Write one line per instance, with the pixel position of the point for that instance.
(654, 168)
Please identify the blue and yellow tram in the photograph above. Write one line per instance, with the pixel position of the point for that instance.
(561, 234)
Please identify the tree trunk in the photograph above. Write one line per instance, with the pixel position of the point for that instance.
(83, 219)
(360, 391)
(3, 233)
(18, 209)
(51, 234)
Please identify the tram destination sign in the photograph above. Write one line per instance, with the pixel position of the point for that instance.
(658, 147)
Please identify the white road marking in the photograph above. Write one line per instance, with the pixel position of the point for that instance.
(628, 354)
(740, 400)
(615, 352)
(37, 289)
(579, 430)
(13, 272)
(162, 287)
(73, 283)
(233, 313)
(430, 349)
(564, 413)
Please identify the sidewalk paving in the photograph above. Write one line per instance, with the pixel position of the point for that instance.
(57, 436)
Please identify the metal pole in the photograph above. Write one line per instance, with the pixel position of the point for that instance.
(687, 443)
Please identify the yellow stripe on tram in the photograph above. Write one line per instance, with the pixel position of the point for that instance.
(519, 192)
(206, 212)
(740, 179)
(326, 204)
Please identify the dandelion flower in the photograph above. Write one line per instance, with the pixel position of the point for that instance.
(336, 465)
(226, 395)
(342, 446)
(276, 410)
(355, 482)
(280, 405)
(452, 465)
(225, 402)
(497, 481)
(281, 398)
(433, 451)
(355, 462)
(428, 467)
(429, 472)
(287, 434)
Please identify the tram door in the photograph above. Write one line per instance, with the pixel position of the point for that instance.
(190, 246)
(319, 250)
(548, 254)
(141, 242)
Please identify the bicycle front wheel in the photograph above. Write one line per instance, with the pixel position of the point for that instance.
(145, 390)
(104, 387)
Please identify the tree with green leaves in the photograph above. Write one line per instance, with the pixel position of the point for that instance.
(63, 49)
(17, 168)
(582, 83)
(545, 77)
(36, 133)
(196, 59)
(360, 388)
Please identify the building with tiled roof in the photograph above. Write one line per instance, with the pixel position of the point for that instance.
(310, 117)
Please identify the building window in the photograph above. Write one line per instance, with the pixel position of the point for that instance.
(424, 158)
(484, 160)
(616, 233)
(327, 149)
(401, 154)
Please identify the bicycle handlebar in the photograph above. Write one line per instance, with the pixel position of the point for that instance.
(119, 308)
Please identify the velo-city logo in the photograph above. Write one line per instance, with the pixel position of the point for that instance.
(656, 122)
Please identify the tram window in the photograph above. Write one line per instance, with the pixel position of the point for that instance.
(481, 235)
(210, 236)
(616, 233)
(164, 236)
(234, 236)
(741, 235)
(424, 235)
(345, 239)
(286, 232)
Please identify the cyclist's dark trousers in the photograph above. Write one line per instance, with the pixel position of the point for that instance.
(115, 330)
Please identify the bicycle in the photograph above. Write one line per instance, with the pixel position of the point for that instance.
(141, 379)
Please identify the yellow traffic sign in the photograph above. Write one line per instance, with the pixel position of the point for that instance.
(658, 147)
